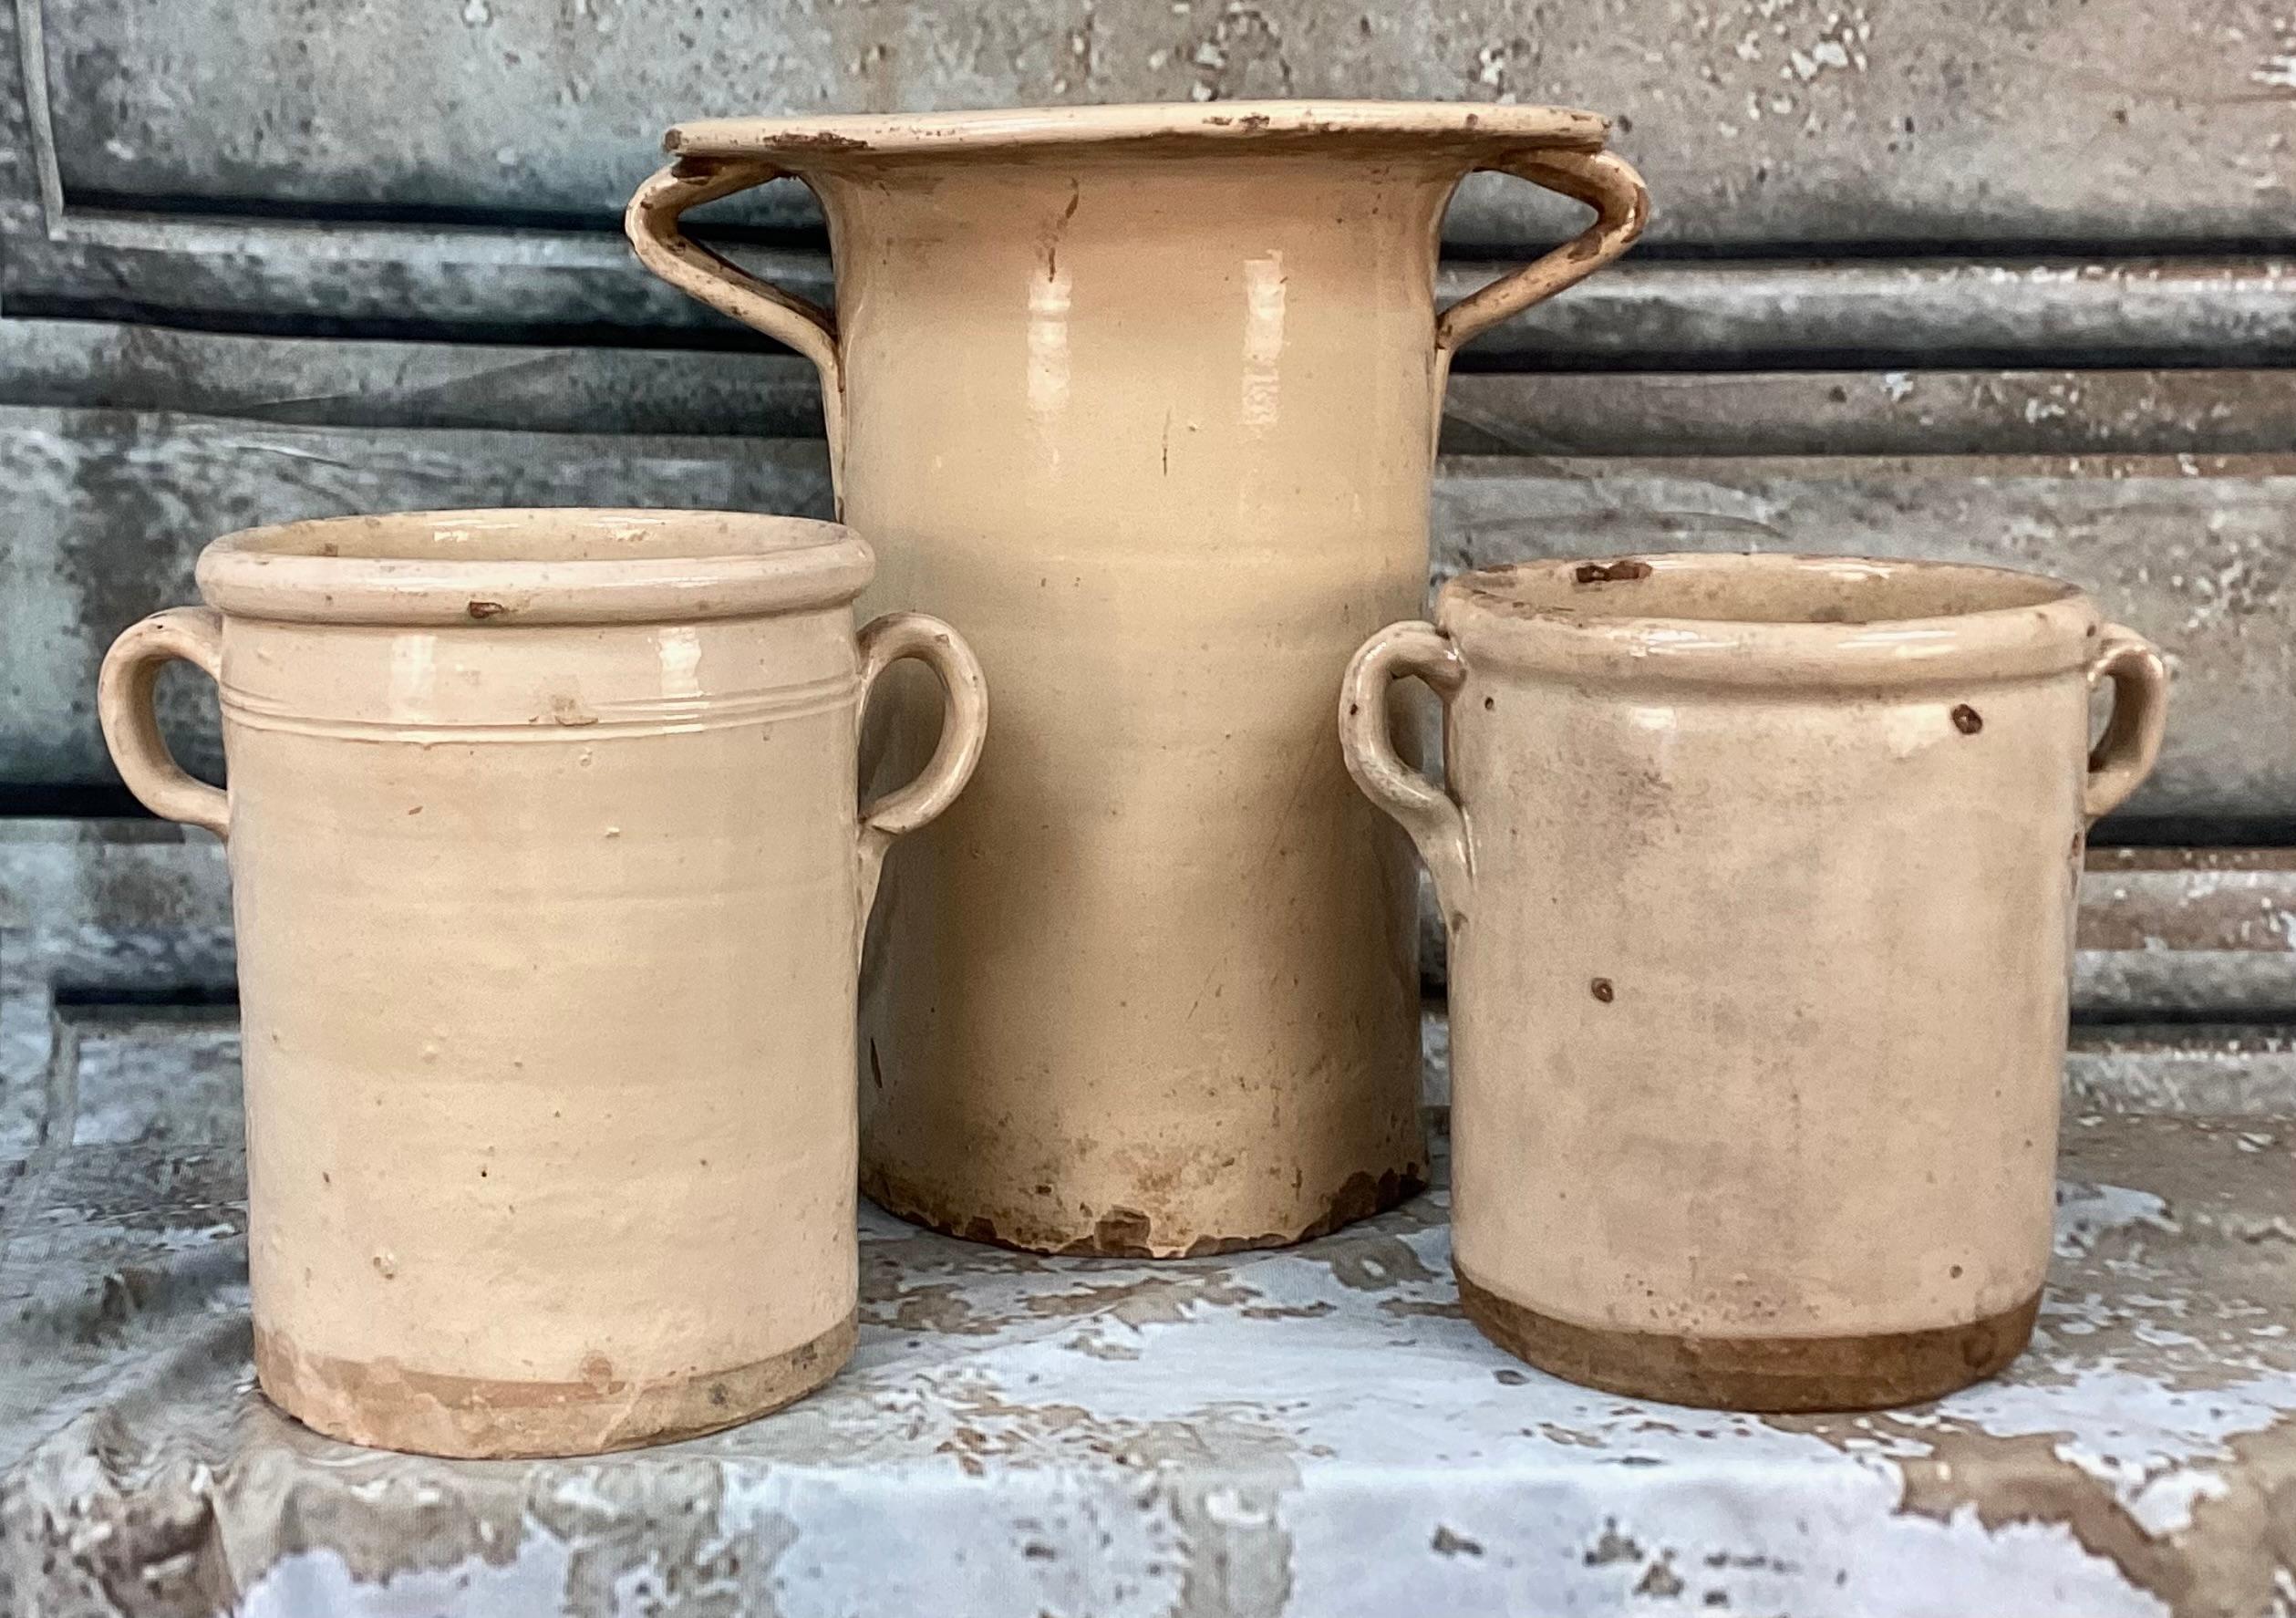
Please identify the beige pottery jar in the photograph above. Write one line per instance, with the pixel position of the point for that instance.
(1760, 873)
(549, 881)
(1146, 398)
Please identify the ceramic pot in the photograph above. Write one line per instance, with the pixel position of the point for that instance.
(1760, 874)
(549, 882)
(1146, 398)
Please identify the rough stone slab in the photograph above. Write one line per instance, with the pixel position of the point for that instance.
(369, 382)
(1307, 1432)
(1757, 120)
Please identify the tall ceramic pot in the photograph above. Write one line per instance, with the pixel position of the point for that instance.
(1761, 875)
(549, 880)
(1147, 398)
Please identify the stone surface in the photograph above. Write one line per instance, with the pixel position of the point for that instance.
(1311, 1432)
(1315, 1431)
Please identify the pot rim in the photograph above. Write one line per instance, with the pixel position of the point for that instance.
(511, 565)
(1577, 614)
(1477, 128)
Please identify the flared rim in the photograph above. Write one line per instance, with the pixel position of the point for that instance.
(517, 565)
(1472, 127)
(1741, 619)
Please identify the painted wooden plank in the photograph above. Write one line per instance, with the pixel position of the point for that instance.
(1763, 121)
(2222, 1070)
(2196, 552)
(372, 382)
(110, 507)
(369, 382)
(1646, 312)
(1876, 413)
(116, 912)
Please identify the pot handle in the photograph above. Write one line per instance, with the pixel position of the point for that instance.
(2124, 756)
(651, 224)
(1605, 182)
(131, 726)
(964, 731)
(1435, 819)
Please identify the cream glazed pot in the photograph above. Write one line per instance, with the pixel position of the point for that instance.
(1146, 398)
(549, 881)
(1760, 873)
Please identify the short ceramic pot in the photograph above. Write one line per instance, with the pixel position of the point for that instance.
(549, 883)
(1760, 874)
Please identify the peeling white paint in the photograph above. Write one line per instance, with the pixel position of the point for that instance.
(2085, 1213)
(307, 1583)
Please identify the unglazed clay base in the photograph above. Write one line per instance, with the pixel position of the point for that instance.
(1131, 1233)
(387, 1408)
(1776, 1375)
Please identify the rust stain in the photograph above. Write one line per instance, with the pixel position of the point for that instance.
(486, 609)
(1120, 1230)
(1659, 1578)
(1610, 573)
(1967, 719)
(1612, 1547)
(942, 1308)
(1372, 1261)
(1405, 1309)
(1602, 991)
(819, 140)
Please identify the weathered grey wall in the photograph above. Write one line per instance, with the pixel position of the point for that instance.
(2013, 281)
(1758, 121)
(112, 506)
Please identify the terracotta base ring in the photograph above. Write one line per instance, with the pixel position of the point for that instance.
(379, 1404)
(1774, 1374)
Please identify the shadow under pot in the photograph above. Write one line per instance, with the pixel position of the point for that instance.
(549, 882)
(1760, 874)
